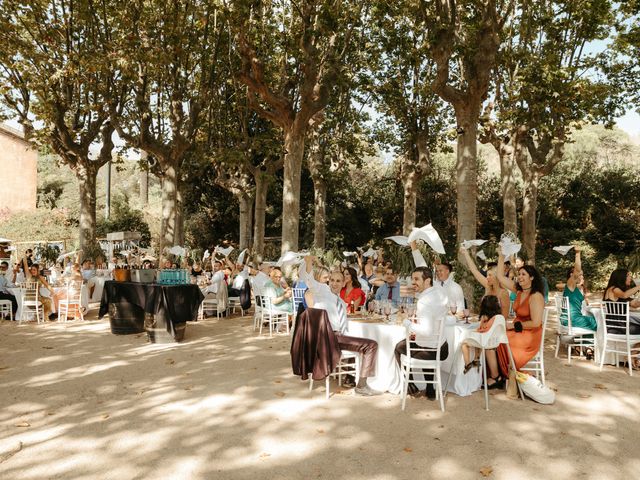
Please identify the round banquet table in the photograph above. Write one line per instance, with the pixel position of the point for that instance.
(388, 376)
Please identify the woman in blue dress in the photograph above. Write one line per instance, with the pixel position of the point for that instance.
(573, 292)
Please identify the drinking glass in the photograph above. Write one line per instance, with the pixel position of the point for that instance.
(466, 315)
(373, 306)
(387, 311)
(453, 308)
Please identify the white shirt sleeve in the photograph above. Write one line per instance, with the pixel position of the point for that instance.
(418, 258)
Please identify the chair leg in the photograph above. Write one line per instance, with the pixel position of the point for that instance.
(310, 383)
(603, 353)
(569, 353)
(629, 359)
(326, 387)
(483, 360)
(557, 344)
(439, 387)
(456, 354)
(513, 365)
(405, 387)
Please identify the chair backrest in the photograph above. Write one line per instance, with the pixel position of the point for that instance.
(545, 318)
(493, 337)
(30, 291)
(616, 317)
(563, 311)
(298, 297)
(432, 339)
(74, 291)
(222, 295)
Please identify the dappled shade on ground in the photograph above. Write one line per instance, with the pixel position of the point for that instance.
(79, 402)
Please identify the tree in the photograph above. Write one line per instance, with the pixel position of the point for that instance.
(168, 58)
(292, 56)
(414, 117)
(555, 86)
(55, 84)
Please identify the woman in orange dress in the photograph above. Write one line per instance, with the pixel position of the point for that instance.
(526, 332)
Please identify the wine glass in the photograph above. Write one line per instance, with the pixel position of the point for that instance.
(466, 315)
(387, 311)
(453, 308)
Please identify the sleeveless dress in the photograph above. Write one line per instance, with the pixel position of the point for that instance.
(576, 298)
(524, 345)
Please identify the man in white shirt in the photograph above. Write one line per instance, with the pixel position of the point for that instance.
(320, 295)
(217, 279)
(444, 280)
(431, 310)
(260, 278)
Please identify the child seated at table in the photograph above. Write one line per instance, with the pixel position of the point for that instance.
(489, 308)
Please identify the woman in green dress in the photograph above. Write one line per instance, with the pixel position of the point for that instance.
(575, 295)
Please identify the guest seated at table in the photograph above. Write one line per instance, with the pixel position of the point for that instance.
(324, 293)
(237, 284)
(44, 290)
(526, 332)
(260, 277)
(217, 279)
(619, 289)
(6, 282)
(430, 310)
(352, 294)
(196, 269)
(575, 295)
(390, 289)
(73, 283)
(490, 308)
(367, 270)
(280, 297)
(490, 282)
(444, 280)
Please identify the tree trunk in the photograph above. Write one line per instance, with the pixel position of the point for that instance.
(178, 238)
(245, 202)
(529, 209)
(262, 185)
(169, 208)
(467, 175)
(320, 211)
(294, 148)
(144, 181)
(410, 181)
(87, 179)
(508, 186)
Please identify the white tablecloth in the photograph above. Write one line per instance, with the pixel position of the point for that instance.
(388, 375)
(98, 283)
(17, 292)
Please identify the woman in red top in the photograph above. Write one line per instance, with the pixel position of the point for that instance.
(526, 332)
(352, 294)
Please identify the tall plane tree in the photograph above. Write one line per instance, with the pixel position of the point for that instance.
(293, 54)
(169, 58)
(53, 81)
(414, 119)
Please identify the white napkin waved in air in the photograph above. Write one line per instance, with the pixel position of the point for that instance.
(369, 253)
(563, 249)
(508, 247)
(427, 234)
(243, 253)
(349, 254)
(206, 255)
(467, 244)
(480, 254)
(224, 251)
(177, 250)
(289, 258)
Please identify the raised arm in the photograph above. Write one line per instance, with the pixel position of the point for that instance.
(471, 265)
(417, 255)
(504, 281)
(577, 264)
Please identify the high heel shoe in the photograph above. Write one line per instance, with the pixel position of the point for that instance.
(498, 383)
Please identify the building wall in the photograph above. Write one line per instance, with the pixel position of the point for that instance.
(18, 172)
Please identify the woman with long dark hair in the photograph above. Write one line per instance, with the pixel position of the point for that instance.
(351, 293)
(620, 289)
(526, 332)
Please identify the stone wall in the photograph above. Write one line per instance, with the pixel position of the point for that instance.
(18, 172)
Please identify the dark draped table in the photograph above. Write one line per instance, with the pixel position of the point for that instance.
(160, 310)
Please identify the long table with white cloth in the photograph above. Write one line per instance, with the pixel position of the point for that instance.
(388, 376)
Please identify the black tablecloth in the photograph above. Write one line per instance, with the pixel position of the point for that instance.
(170, 305)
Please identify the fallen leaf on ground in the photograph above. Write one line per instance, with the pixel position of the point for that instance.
(280, 394)
(440, 426)
(277, 381)
(408, 450)
(583, 395)
(170, 361)
(436, 438)
(48, 348)
(3, 368)
(22, 424)
(105, 416)
(265, 455)
(51, 413)
(319, 430)
(188, 387)
(486, 471)
(600, 386)
(7, 455)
